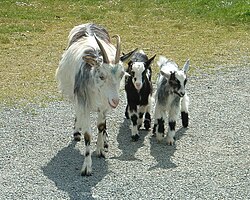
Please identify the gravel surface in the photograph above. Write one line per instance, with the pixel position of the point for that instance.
(210, 159)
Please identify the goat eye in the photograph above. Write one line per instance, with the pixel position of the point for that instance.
(133, 73)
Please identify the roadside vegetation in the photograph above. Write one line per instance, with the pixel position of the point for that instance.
(33, 34)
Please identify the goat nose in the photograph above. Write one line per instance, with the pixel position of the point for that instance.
(138, 85)
(115, 102)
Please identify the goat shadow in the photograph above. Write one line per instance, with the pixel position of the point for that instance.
(163, 153)
(125, 143)
(64, 171)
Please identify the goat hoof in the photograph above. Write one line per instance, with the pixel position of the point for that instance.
(101, 155)
(159, 137)
(135, 137)
(138, 127)
(170, 141)
(77, 136)
(86, 172)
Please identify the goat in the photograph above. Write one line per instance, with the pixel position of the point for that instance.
(138, 88)
(89, 74)
(170, 97)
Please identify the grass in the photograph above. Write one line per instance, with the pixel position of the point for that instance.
(33, 35)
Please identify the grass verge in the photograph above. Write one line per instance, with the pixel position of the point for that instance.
(33, 35)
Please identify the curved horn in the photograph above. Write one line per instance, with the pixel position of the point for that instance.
(104, 54)
(118, 49)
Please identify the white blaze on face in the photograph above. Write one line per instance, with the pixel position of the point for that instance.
(137, 69)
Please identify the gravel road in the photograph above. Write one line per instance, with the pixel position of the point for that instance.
(210, 160)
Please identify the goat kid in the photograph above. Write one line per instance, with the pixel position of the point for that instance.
(138, 88)
(89, 74)
(170, 97)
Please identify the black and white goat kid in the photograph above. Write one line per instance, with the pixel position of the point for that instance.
(138, 88)
(89, 74)
(170, 98)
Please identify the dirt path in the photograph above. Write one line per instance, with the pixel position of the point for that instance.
(209, 161)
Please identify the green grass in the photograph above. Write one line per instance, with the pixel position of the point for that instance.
(33, 35)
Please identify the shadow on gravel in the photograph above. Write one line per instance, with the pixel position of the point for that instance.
(64, 171)
(163, 153)
(125, 143)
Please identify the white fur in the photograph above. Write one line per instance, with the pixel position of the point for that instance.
(100, 90)
(138, 68)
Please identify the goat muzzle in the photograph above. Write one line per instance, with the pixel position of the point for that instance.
(114, 103)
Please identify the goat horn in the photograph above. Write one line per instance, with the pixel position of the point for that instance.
(104, 54)
(118, 49)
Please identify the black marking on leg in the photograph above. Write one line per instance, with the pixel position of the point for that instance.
(154, 130)
(172, 125)
(106, 146)
(87, 138)
(126, 112)
(141, 115)
(147, 121)
(161, 128)
(184, 118)
(135, 137)
(134, 120)
(77, 136)
(87, 154)
(102, 127)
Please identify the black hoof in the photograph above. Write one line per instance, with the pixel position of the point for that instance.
(135, 137)
(77, 136)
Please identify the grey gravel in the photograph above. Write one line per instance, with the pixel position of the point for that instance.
(210, 159)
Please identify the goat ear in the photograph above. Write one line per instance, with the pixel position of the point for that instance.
(126, 57)
(148, 63)
(186, 66)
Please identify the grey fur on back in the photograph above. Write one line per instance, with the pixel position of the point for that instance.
(89, 30)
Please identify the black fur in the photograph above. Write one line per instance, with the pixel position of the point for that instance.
(184, 118)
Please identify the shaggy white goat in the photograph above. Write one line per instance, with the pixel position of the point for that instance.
(89, 74)
(171, 98)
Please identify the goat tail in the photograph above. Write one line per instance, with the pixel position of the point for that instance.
(162, 60)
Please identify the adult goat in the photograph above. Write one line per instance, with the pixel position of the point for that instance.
(138, 88)
(170, 97)
(89, 74)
